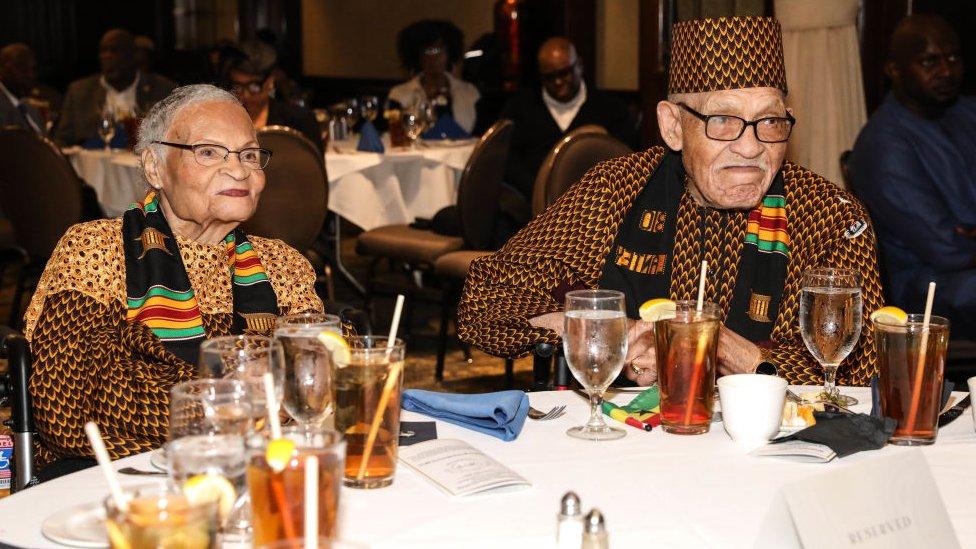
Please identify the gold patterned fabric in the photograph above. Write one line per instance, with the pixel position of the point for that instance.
(726, 53)
(565, 248)
(92, 364)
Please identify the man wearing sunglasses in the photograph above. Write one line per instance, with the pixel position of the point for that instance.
(721, 192)
(543, 117)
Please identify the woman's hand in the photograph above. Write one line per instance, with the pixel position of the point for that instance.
(640, 366)
(736, 354)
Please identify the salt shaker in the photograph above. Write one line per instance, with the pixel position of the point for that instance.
(594, 531)
(569, 522)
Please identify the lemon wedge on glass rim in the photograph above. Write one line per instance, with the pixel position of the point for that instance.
(890, 315)
(657, 309)
(336, 344)
(211, 487)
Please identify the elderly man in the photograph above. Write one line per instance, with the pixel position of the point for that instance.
(643, 223)
(914, 165)
(120, 88)
(565, 103)
(18, 75)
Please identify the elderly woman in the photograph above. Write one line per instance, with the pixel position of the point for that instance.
(123, 305)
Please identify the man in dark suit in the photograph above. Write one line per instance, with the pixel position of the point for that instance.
(18, 74)
(564, 103)
(120, 87)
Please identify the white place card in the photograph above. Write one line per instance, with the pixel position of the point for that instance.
(797, 450)
(889, 502)
(459, 468)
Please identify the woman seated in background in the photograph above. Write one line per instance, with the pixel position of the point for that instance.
(249, 74)
(123, 304)
(429, 50)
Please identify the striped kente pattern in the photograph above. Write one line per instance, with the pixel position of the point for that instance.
(767, 226)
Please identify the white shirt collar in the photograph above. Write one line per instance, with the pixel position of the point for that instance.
(121, 100)
(564, 113)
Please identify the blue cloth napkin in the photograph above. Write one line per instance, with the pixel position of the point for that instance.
(119, 141)
(369, 139)
(446, 128)
(500, 414)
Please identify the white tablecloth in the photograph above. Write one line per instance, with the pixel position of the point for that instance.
(655, 490)
(115, 176)
(398, 186)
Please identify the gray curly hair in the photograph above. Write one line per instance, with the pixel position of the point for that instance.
(158, 121)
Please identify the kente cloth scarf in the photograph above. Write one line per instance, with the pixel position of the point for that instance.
(640, 262)
(159, 291)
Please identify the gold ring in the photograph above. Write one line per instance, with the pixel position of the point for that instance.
(637, 371)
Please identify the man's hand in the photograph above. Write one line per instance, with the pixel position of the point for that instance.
(640, 366)
(736, 354)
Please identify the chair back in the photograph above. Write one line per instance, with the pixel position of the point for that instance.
(481, 184)
(39, 190)
(295, 199)
(570, 159)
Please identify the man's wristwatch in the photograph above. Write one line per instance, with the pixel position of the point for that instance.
(766, 368)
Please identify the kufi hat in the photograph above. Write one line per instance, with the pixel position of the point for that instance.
(726, 53)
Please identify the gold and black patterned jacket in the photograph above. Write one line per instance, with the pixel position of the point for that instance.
(92, 364)
(565, 247)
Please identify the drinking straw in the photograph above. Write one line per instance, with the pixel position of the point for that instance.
(699, 350)
(101, 455)
(920, 367)
(391, 380)
(269, 399)
(311, 502)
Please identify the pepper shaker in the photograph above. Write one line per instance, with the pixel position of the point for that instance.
(594, 531)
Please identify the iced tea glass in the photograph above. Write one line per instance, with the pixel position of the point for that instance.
(368, 384)
(911, 376)
(687, 347)
(278, 497)
(159, 517)
(306, 368)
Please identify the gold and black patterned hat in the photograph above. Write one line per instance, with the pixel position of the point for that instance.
(726, 53)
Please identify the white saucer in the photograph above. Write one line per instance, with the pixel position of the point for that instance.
(158, 459)
(79, 526)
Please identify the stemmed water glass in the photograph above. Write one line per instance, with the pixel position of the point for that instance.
(595, 345)
(306, 371)
(416, 120)
(106, 127)
(830, 322)
(369, 106)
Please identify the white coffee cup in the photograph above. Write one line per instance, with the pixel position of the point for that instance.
(752, 407)
(972, 397)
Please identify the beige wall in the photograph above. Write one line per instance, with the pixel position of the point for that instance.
(617, 44)
(357, 38)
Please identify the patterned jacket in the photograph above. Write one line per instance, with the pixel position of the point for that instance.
(91, 364)
(565, 248)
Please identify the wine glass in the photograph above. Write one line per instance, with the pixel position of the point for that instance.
(351, 113)
(106, 128)
(595, 345)
(244, 358)
(306, 370)
(830, 322)
(416, 120)
(369, 106)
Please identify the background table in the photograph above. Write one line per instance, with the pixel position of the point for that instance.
(397, 186)
(655, 490)
(116, 177)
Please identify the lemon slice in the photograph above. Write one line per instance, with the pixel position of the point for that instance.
(657, 309)
(211, 487)
(890, 315)
(336, 344)
(279, 453)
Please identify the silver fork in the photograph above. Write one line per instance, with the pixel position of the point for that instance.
(539, 415)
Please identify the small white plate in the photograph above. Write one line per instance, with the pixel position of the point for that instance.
(158, 459)
(79, 526)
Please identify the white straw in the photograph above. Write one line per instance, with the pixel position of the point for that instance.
(928, 309)
(311, 502)
(272, 403)
(101, 454)
(395, 323)
(701, 287)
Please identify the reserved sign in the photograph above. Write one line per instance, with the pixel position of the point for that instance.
(890, 502)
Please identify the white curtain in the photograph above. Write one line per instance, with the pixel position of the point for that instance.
(823, 72)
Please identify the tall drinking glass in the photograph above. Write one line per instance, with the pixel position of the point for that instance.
(306, 368)
(244, 358)
(210, 407)
(159, 516)
(830, 322)
(911, 376)
(595, 345)
(216, 463)
(686, 347)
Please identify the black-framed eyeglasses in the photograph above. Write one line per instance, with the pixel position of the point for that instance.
(209, 154)
(253, 87)
(558, 74)
(725, 127)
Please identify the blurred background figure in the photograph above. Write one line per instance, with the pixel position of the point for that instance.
(430, 50)
(18, 76)
(120, 89)
(145, 53)
(914, 165)
(250, 76)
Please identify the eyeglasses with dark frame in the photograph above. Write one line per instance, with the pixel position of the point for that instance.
(726, 127)
(209, 154)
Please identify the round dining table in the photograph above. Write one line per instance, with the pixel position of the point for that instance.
(115, 175)
(654, 489)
